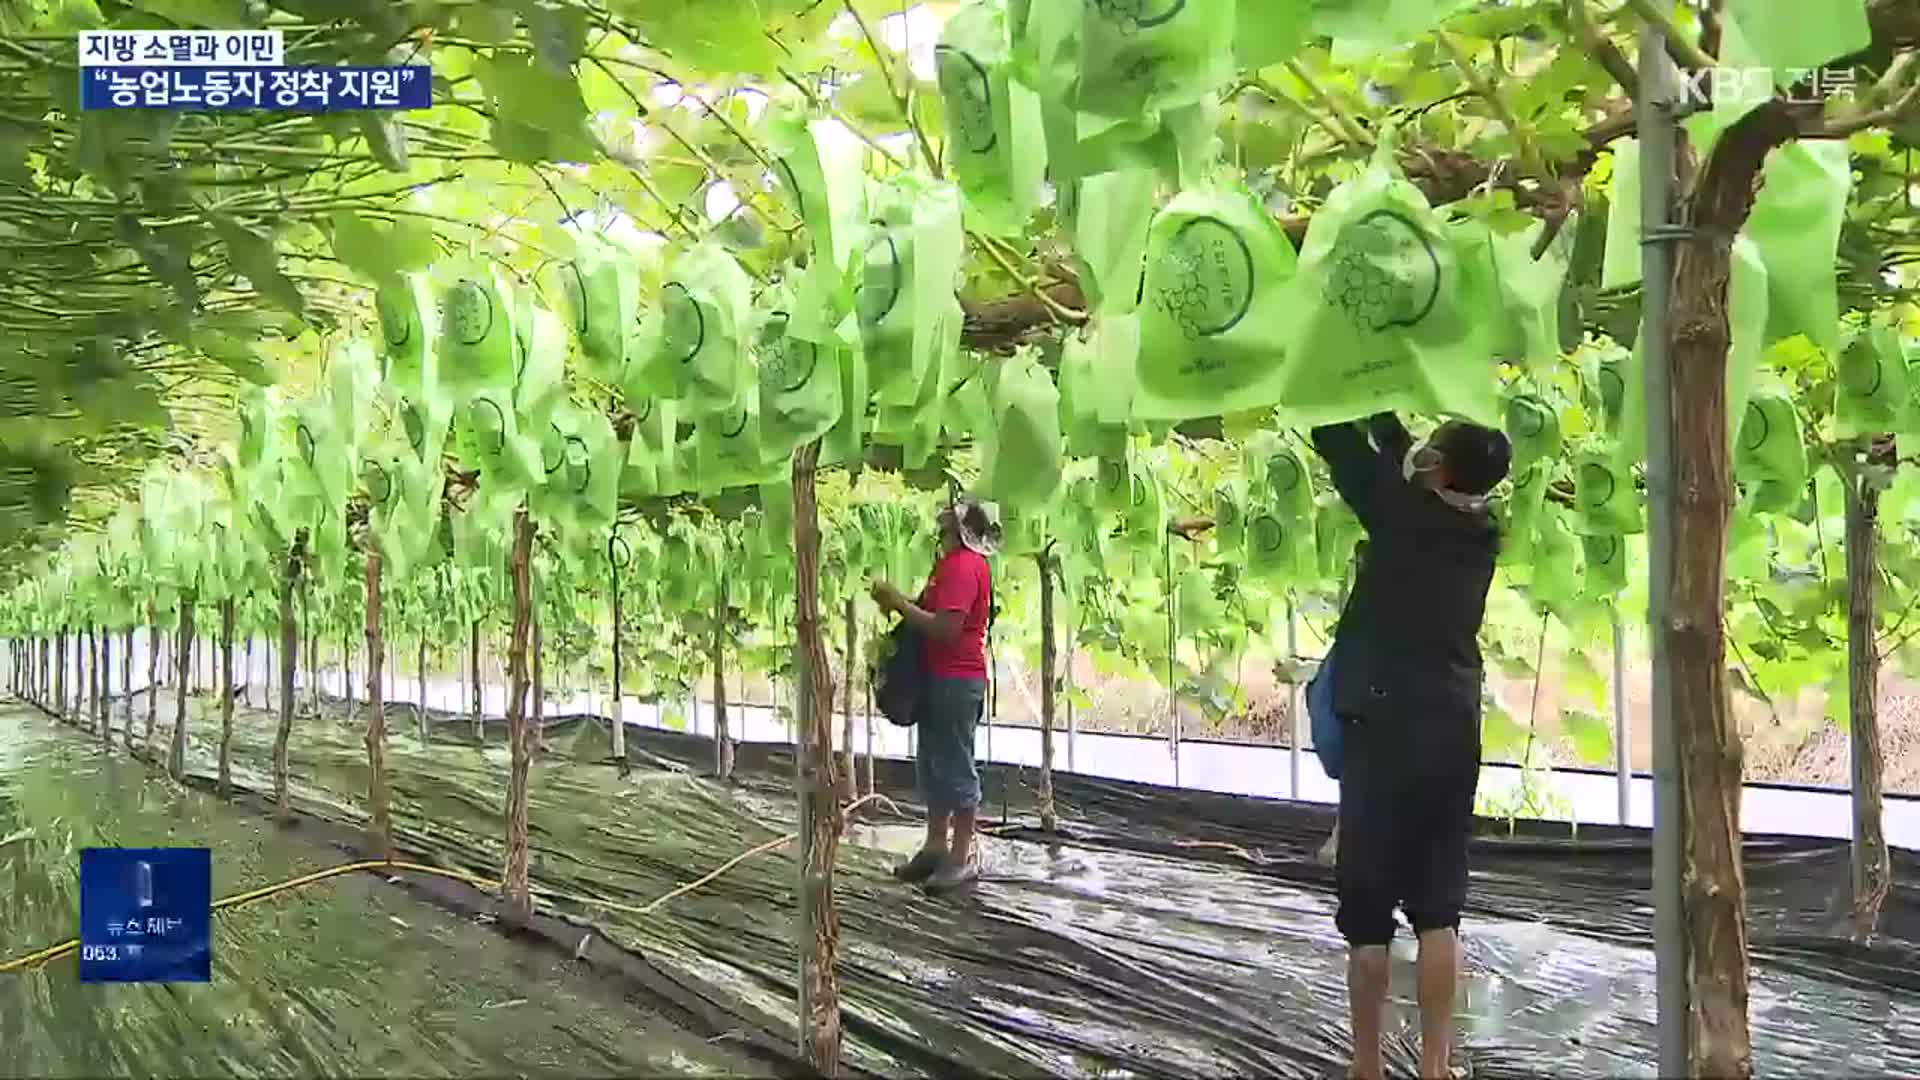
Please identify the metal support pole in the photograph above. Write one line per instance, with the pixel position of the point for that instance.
(1293, 704)
(1622, 749)
(1658, 134)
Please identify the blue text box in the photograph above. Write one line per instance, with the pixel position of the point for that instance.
(254, 89)
(146, 914)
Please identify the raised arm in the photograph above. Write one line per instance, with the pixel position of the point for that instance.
(1364, 476)
(1391, 436)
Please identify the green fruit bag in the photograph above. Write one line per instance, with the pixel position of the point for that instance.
(1871, 394)
(1530, 290)
(1534, 428)
(1279, 547)
(995, 140)
(1795, 224)
(1021, 463)
(912, 263)
(1521, 513)
(652, 447)
(602, 288)
(477, 332)
(1086, 434)
(1390, 316)
(1141, 57)
(1230, 516)
(541, 383)
(1556, 567)
(819, 168)
(799, 372)
(409, 327)
(1107, 217)
(1771, 445)
(1217, 321)
(487, 437)
(1603, 490)
(1747, 322)
(730, 453)
(916, 427)
(694, 344)
(1605, 569)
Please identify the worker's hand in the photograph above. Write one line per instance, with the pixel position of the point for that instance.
(885, 595)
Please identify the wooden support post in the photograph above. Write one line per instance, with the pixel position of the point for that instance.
(1872, 863)
(289, 659)
(722, 735)
(226, 697)
(177, 759)
(514, 879)
(619, 711)
(1049, 818)
(819, 925)
(380, 826)
(849, 782)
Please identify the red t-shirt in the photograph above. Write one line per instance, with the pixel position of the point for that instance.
(961, 582)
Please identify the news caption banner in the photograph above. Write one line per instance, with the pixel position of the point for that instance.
(232, 70)
(146, 914)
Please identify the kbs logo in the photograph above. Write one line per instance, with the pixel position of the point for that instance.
(1756, 86)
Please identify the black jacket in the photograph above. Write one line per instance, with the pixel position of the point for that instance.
(1408, 640)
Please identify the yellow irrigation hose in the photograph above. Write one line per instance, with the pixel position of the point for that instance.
(53, 952)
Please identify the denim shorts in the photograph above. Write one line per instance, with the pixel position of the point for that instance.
(943, 755)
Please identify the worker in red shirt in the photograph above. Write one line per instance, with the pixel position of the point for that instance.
(951, 614)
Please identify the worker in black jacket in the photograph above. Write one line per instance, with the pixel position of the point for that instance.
(1406, 687)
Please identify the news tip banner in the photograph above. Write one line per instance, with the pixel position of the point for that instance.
(232, 71)
(146, 914)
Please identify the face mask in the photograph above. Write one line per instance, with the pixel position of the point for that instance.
(1422, 458)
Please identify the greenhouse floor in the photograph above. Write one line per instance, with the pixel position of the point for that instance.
(1165, 933)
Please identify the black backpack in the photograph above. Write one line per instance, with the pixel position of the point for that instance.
(902, 678)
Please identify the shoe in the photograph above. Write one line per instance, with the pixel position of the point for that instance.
(952, 875)
(919, 868)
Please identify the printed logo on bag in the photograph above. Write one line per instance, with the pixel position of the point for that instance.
(470, 312)
(1385, 273)
(1860, 370)
(968, 94)
(787, 363)
(579, 464)
(414, 425)
(1113, 476)
(1226, 508)
(1268, 534)
(1133, 15)
(881, 280)
(686, 325)
(396, 319)
(734, 426)
(553, 450)
(303, 438)
(489, 424)
(1283, 473)
(1526, 417)
(378, 482)
(1205, 279)
(1602, 550)
(1755, 427)
(1597, 485)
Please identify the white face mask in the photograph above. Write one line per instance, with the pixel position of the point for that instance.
(1422, 458)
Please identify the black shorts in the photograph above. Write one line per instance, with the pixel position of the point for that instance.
(1406, 815)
